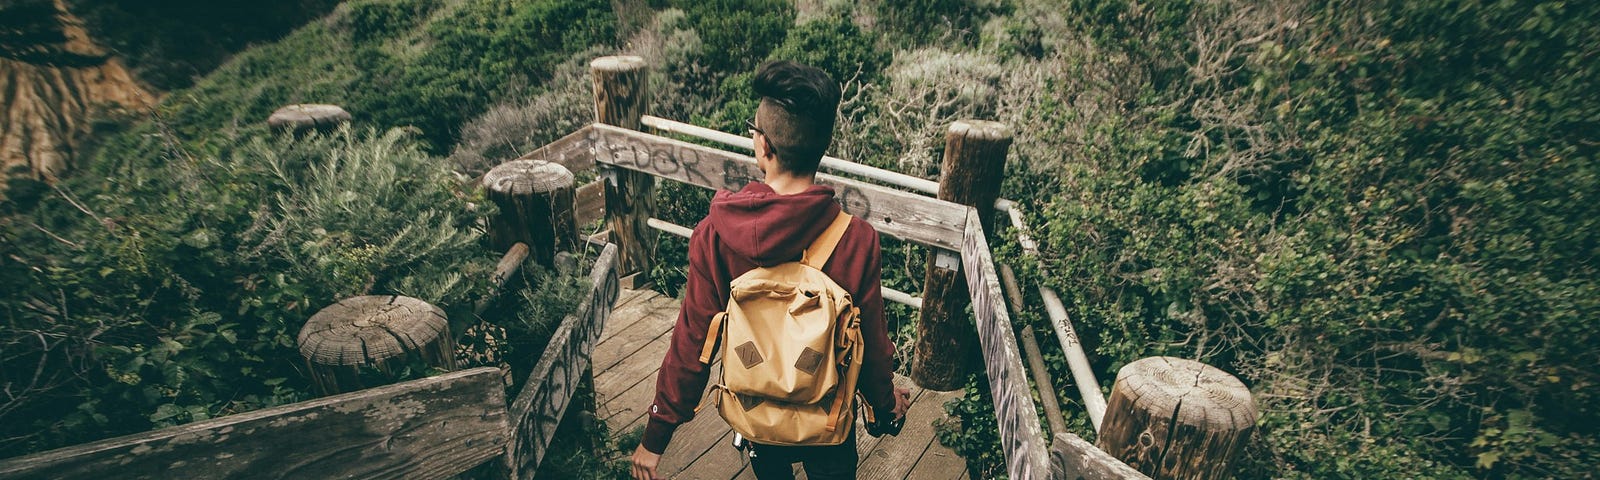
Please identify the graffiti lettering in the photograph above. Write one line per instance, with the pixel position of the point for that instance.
(736, 174)
(564, 364)
(1013, 408)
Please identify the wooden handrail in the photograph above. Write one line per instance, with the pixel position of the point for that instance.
(539, 407)
(904, 215)
(434, 427)
(889, 294)
(834, 164)
(1021, 438)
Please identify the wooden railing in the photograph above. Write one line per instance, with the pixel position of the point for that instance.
(441, 426)
(436, 427)
(954, 232)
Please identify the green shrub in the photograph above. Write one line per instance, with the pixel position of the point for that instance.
(1371, 217)
(175, 295)
(915, 23)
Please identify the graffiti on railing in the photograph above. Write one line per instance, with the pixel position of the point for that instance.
(539, 408)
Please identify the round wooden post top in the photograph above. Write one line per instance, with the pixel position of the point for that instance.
(617, 63)
(308, 116)
(527, 177)
(367, 329)
(980, 129)
(1209, 395)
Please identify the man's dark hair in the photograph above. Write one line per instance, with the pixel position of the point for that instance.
(799, 104)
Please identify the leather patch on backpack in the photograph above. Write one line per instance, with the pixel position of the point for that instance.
(748, 401)
(748, 355)
(809, 361)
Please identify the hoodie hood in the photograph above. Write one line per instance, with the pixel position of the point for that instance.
(769, 228)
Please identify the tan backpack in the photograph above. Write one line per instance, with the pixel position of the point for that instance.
(792, 351)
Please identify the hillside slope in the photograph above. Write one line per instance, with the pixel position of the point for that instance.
(56, 82)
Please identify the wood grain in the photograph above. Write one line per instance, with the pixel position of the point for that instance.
(429, 428)
(381, 331)
(574, 151)
(1177, 418)
(896, 213)
(540, 405)
(621, 94)
(1073, 458)
(1020, 436)
(535, 200)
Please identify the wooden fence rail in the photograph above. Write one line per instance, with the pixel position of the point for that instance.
(540, 405)
(429, 428)
(434, 427)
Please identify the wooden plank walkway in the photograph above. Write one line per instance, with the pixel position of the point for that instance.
(625, 363)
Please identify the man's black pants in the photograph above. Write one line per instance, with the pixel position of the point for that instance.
(776, 462)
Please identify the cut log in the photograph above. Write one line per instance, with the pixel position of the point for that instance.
(1176, 418)
(535, 199)
(310, 116)
(381, 332)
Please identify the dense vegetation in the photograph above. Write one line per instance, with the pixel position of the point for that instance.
(165, 282)
(1379, 215)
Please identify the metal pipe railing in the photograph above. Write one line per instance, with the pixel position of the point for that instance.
(1082, 374)
(889, 294)
(831, 164)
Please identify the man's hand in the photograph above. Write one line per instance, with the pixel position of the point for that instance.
(644, 464)
(902, 402)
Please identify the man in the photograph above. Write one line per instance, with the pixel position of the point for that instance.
(766, 224)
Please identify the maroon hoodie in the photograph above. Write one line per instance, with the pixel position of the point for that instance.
(759, 227)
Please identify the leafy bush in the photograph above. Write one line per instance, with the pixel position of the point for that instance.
(1374, 227)
(914, 23)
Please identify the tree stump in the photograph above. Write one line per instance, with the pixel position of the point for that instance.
(947, 343)
(378, 331)
(300, 118)
(1176, 418)
(535, 199)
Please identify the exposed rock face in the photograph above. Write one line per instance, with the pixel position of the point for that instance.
(53, 82)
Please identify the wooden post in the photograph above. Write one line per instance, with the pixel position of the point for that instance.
(381, 331)
(300, 118)
(1176, 418)
(621, 92)
(974, 165)
(535, 199)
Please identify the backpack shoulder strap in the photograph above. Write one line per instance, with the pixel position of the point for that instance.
(817, 254)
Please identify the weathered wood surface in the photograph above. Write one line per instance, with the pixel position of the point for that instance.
(947, 347)
(1073, 458)
(430, 428)
(699, 449)
(621, 94)
(574, 151)
(589, 202)
(535, 200)
(1020, 436)
(542, 402)
(380, 331)
(896, 213)
(1177, 418)
(310, 116)
(974, 165)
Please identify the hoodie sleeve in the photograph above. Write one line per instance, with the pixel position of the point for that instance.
(877, 369)
(683, 378)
